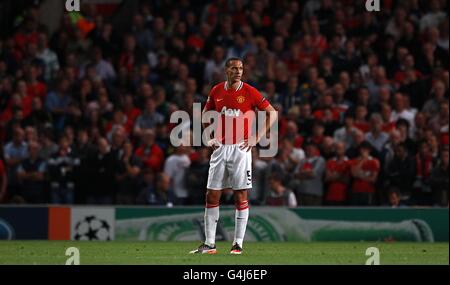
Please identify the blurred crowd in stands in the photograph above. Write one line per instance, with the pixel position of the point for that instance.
(362, 98)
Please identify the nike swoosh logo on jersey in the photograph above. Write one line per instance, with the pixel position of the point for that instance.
(219, 100)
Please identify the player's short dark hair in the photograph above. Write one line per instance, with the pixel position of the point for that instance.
(228, 62)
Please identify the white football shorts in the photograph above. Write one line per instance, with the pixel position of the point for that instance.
(230, 167)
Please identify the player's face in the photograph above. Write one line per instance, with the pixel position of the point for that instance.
(234, 71)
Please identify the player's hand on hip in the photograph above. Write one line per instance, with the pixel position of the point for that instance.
(248, 144)
(214, 143)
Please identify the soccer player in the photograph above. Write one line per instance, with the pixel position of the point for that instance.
(231, 160)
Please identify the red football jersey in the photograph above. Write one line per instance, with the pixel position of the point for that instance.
(337, 191)
(236, 108)
(369, 167)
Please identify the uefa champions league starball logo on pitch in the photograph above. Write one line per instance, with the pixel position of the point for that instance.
(233, 122)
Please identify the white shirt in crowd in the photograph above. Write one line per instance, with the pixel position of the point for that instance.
(408, 115)
(175, 168)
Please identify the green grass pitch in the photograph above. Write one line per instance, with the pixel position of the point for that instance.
(255, 253)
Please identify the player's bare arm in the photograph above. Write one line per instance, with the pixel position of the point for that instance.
(271, 118)
(212, 142)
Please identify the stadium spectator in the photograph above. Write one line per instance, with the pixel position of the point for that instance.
(423, 166)
(103, 68)
(175, 168)
(195, 174)
(84, 150)
(357, 138)
(361, 118)
(259, 176)
(162, 106)
(432, 105)
(148, 119)
(214, 66)
(30, 174)
(35, 87)
(284, 163)
(278, 165)
(309, 173)
(342, 103)
(130, 110)
(337, 177)
(376, 137)
(38, 117)
(163, 139)
(102, 104)
(15, 152)
(394, 26)
(48, 146)
(103, 185)
(58, 104)
(291, 96)
(149, 152)
(294, 151)
(439, 180)
(327, 148)
(364, 170)
(400, 172)
(25, 98)
(48, 57)
(61, 169)
(433, 142)
(293, 135)
(433, 17)
(318, 133)
(401, 111)
(386, 115)
(127, 172)
(394, 200)
(30, 134)
(278, 194)
(345, 133)
(404, 128)
(420, 126)
(439, 122)
(384, 98)
(156, 190)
